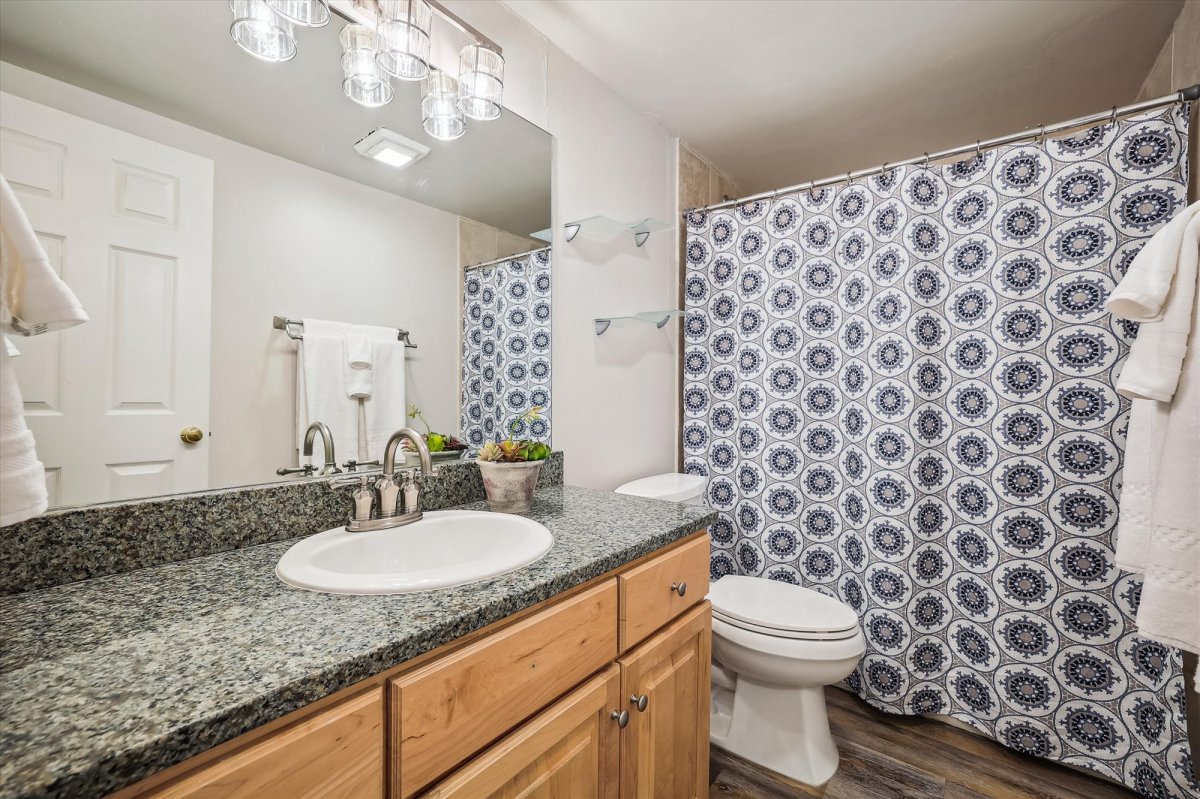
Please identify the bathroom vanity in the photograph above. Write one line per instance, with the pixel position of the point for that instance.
(585, 674)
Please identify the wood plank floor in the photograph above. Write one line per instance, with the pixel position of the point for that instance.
(885, 756)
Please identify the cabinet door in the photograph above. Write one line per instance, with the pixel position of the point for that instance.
(664, 750)
(568, 751)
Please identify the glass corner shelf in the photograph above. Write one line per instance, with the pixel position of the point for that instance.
(543, 235)
(605, 228)
(658, 318)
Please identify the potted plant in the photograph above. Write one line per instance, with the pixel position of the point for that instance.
(510, 468)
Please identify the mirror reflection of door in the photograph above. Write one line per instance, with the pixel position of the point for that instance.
(128, 224)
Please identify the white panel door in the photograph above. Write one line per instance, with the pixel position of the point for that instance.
(128, 224)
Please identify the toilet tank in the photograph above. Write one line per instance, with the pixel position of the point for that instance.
(685, 488)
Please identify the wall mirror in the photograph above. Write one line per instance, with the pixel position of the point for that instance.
(211, 210)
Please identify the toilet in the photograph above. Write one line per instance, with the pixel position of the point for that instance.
(775, 648)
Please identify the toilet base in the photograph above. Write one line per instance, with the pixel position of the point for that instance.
(783, 729)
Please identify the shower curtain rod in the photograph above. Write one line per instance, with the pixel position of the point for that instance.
(1191, 93)
(512, 257)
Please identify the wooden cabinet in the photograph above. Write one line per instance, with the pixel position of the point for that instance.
(334, 753)
(569, 751)
(664, 749)
(538, 705)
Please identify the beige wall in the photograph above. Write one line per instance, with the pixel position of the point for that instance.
(289, 239)
(701, 183)
(478, 242)
(1177, 67)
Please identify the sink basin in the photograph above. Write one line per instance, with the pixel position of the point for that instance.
(445, 548)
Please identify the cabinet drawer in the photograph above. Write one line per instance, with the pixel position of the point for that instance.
(337, 752)
(647, 599)
(448, 710)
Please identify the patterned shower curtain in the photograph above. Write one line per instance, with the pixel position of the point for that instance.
(901, 391)
(506, 349)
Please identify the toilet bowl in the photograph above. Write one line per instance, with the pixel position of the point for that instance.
(775, 648)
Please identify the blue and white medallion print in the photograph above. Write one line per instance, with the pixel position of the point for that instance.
(506, 349)
(901, 391)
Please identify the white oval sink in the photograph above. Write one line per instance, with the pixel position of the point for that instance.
(445, 548)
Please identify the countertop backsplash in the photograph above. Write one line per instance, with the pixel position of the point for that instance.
(72, 544)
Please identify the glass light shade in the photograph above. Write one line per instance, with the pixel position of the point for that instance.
(309, 13)
(403, 36)
(480, 82)
(440, 114)
(261, 32)
(364, 82)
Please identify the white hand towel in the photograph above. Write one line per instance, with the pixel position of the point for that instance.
(360, 359)
(33, 300)
(359, 364)
(1158, 532)
(321, 388)
(387, 409)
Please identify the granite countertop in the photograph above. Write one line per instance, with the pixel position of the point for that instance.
(106, 681)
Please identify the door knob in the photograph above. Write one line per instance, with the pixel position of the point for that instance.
(191, 435)
(640, 702)
(679, 588)
(621, 717)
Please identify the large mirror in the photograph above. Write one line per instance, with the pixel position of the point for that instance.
(252, 261)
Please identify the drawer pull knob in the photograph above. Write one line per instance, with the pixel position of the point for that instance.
(679, 588)
(640, 702)
(621, 717)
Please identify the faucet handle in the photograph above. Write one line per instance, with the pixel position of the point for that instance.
(350, 481)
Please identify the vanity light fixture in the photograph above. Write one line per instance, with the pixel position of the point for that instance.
(480, 82)
(403, 36)
(307, 13)
(386, 39)
(390, 148)
(440, 114)
(260, 32)
(364, 82)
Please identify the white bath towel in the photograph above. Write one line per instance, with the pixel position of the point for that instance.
(321, 394)
(1158, 533)
(33, 300)
(386, 411)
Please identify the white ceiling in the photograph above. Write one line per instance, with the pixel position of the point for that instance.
(776, 93)
(175, 58)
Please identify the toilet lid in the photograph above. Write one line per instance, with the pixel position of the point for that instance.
(771, 605)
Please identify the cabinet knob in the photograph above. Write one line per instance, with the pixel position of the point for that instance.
(621, 717)
(679, 588)
(191, 435)
(640, 702)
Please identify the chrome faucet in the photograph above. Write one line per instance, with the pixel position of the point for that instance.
(389, 486)
(330, 466)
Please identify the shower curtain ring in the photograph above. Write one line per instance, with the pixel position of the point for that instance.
(978, 154)
(926, 164)
(1112, 120)
(1041, 133)
(847, 177)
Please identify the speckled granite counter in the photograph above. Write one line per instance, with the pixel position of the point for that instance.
(105, 681)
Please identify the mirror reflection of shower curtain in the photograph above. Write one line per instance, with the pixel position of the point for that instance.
(901, 390)
(506, 349)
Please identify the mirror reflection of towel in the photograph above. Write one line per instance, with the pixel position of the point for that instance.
(33, 300)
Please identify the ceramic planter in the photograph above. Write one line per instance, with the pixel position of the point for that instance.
(510, 486)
